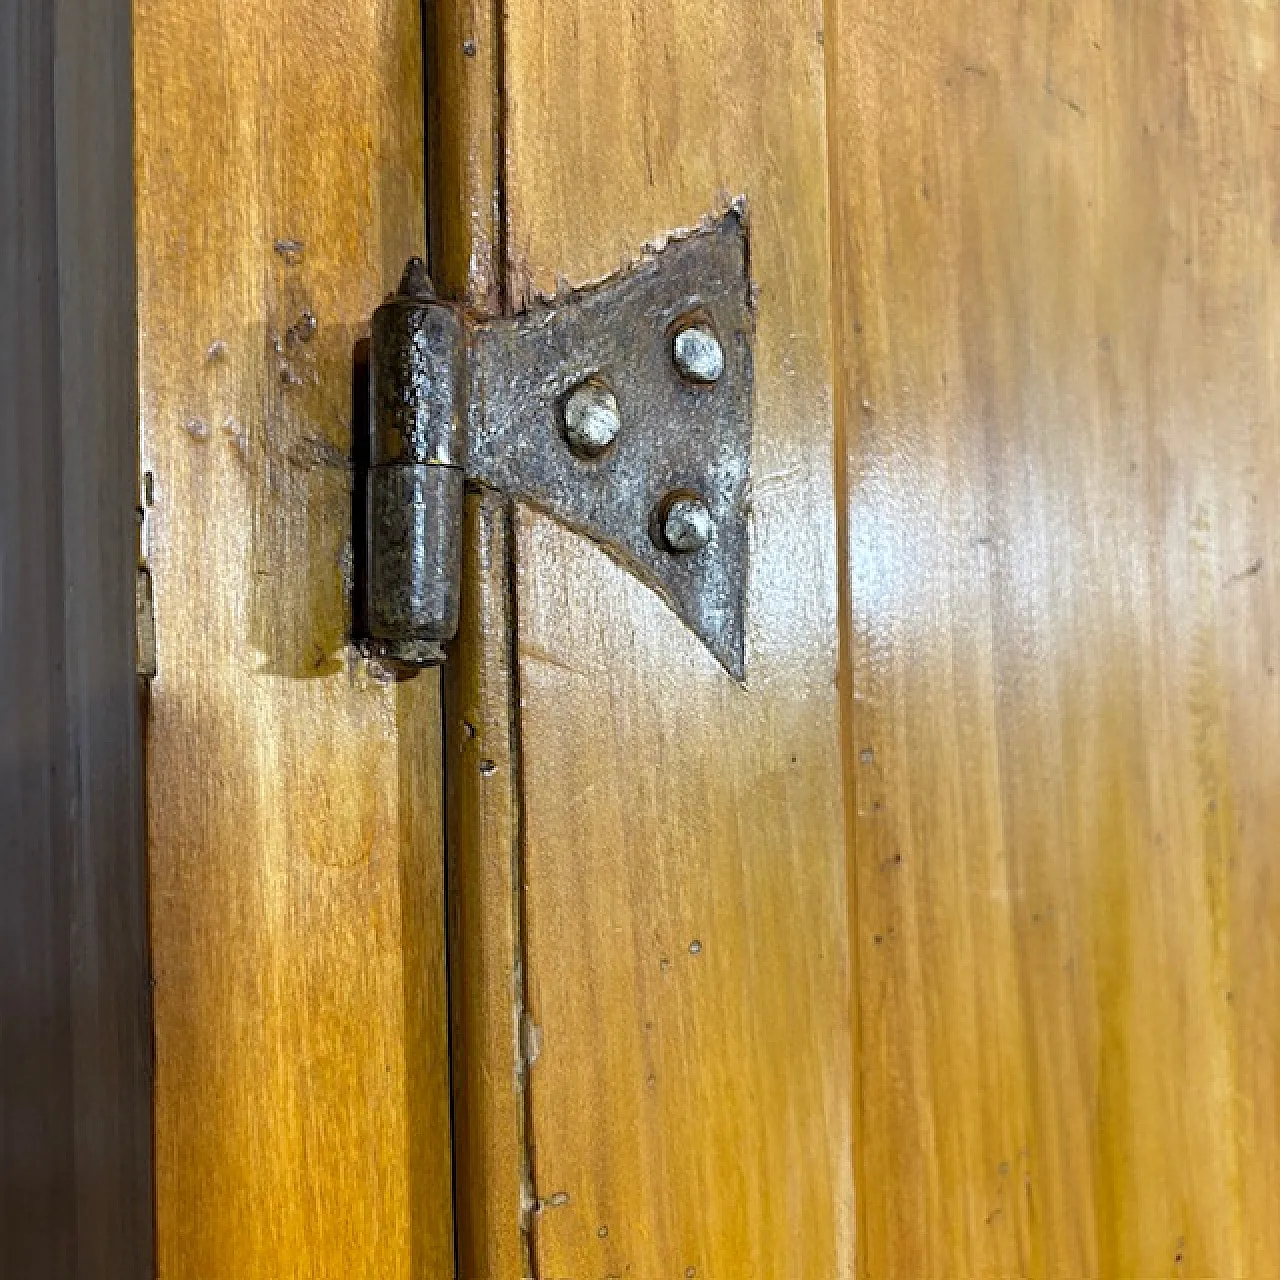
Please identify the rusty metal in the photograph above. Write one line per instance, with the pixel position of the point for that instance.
(496, 400)
(414, 488)
(145, 660)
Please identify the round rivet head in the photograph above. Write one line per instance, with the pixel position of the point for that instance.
(685, 523)
(591, 419)
(698, 354)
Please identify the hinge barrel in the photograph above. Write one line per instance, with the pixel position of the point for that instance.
(417, 452)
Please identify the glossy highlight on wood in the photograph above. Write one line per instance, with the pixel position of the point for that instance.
(1054, 250)
(302, 1112)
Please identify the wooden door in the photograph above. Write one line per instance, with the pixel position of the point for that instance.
(1056, 378)
(945, 946)
(301, 1095)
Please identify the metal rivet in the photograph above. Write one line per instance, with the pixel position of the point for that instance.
(697, 353)
(685, 523)
(591, 419)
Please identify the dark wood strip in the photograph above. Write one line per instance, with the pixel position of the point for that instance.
(75, 1129)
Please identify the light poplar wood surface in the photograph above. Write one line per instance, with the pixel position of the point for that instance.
(493, 1199)
(1055, 249)
(487, 993)
(301, 1109)
(687, 967)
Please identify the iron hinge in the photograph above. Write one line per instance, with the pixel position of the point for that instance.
(145, 621)
(623, 410)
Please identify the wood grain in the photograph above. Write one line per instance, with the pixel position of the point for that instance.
(686, 949)
(302, 1115)
(486, 975)
(1054, 259)
(481, 732)
(464, 150)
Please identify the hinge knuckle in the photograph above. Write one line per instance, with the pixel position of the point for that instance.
(414, 488)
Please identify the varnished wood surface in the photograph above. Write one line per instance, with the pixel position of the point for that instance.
(1051, 238)
(464, 150)
(75, 1101)
(1055, 250)
(481, 729)
(491, 1137)
(302, 1114)
(686, 958)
